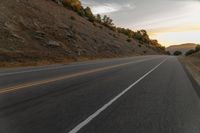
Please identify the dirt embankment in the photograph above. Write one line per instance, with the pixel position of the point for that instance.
(192, 63)
(40, 32)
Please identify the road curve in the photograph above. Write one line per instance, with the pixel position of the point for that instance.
(147, 94)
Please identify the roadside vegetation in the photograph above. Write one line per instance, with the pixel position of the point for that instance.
(193, 51)
(177, 53)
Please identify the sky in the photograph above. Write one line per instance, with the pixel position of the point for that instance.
(171, 22)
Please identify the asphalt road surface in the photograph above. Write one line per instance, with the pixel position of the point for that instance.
(147, 94)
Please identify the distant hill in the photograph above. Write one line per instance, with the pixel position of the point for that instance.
(182, 47)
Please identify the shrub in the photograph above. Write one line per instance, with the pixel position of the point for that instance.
(192, 51)
(91, 19)
(81, 12)
(72, 18)
(98, 18)
(107, 21)
(89, 14)
(177, 53)
(128, 40)
(197, 49)
(73, 4)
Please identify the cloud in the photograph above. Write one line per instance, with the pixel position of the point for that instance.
(100, 7)
(103, 9)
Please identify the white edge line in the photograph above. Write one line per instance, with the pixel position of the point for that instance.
(91, 117)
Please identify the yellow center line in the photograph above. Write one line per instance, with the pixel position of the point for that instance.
(36, 83)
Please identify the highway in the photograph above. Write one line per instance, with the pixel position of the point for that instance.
(144, 94)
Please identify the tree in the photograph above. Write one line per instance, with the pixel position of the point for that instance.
(192, 51)
(98, 18)
(143, 32)
(107, 21)
(73, 4)
(155, 42)
(89, 14)
(177, 53)
(197, 49)
(138, 36)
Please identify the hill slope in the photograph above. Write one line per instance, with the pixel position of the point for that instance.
(182, 47)
(43, 31)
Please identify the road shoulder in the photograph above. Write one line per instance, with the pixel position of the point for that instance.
(192, 68)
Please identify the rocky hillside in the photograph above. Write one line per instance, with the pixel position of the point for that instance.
(42, 31)
(182, 47)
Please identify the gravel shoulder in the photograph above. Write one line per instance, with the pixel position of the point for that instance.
(192, 64)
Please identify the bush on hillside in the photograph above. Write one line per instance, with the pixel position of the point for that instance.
(197, 49)
(192, 51)
(107, 21)
(89, 14)
(177, 53)
(73, 4)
